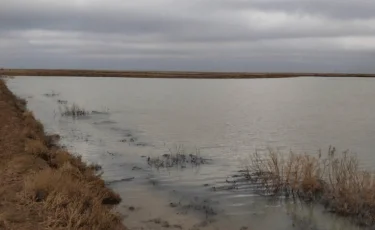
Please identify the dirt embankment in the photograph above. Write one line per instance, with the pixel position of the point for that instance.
(43, 186)
(167, 74)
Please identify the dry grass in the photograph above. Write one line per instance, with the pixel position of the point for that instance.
(36, 148)
(335, 180)
(43, 186)
(70, 207)
(32, 129)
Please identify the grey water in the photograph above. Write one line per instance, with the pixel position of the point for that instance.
(225, 120)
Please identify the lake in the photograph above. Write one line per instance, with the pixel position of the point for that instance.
(224, 121)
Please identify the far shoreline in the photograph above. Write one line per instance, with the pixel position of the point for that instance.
(168, 74)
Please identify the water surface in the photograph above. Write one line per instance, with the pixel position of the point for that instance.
(226, 120)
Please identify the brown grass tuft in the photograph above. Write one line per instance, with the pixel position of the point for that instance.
(32, 128)
(36, 148)
(60, 157)
(334, 180)
(72, 202)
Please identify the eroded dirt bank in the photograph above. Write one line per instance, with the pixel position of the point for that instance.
(43, 186)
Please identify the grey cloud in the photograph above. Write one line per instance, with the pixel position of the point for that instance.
(202, 22)
(340, 9)
(191, 34)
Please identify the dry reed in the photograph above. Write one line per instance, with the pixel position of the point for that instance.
(334, 180)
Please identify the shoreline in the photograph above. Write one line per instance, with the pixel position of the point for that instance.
(42, 186)
(168, 74)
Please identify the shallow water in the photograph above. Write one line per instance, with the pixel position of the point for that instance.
(226, 120)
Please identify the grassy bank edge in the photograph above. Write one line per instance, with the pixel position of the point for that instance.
(46, 187)
(168, 74)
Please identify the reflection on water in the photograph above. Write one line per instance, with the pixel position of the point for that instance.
(134, 119)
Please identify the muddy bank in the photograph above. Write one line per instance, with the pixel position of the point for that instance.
(167, 74)
(42, 186)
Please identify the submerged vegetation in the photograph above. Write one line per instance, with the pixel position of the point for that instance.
(205, 206)
(177, 158)
(63, 102)
(335, 180)
(51, 94)
(74, 111)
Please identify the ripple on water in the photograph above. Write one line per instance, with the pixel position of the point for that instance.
(234, 118)
(105, 122)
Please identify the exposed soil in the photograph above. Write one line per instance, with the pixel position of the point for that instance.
(166, 74)
(42, 186)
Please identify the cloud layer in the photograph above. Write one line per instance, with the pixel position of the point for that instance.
(214, 35)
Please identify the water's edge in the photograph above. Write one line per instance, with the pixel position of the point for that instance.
(121, 136)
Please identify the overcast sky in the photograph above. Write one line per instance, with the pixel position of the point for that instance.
(208, 35)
